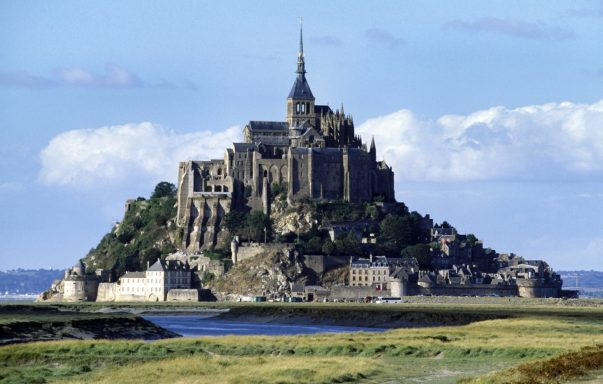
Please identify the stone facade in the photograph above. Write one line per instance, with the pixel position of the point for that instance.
(315, 153)
(78, 285)
(154, 284)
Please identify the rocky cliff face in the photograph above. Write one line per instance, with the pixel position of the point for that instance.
(287, 219)
(267, 274)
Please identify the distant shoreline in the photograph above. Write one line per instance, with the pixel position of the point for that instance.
(18, 297)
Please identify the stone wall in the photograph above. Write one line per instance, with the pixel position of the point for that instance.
(183, 295)
(80, 289)
(107, 292)
(465, 290)
(322, 263)
(356, 293)
(536, 288)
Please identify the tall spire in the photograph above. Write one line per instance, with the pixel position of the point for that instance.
(301, 65)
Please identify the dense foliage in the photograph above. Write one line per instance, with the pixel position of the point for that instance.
(253, 226)
(142, 237)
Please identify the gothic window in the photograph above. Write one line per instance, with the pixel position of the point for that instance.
(303, 108)
(308, 107)
(297, 108)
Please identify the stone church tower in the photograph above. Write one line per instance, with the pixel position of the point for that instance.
(300, 102)
(314, 154)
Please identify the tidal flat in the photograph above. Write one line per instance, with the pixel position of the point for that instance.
(543, 342)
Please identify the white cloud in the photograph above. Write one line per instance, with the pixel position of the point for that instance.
(115, 154)
(552, 141)
(555, 141)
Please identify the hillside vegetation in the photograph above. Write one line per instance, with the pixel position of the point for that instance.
(148, 231)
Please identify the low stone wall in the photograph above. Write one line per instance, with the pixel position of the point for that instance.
(466, 290)
(106, 292)
(356, 293)
(183, 295)
(528, 288)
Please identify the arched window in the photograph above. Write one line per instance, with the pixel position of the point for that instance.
(303, 108)
(308, 107)
(297, 108)
(219, 171)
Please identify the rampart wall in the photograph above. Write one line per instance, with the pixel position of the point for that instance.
(183, 295)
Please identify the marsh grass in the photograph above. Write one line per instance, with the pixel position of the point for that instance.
(244, 370)
(440, 354)
(549, 371)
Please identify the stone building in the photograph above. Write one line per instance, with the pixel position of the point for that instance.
(78, 285)
(154, 284)
(315, 152)
(372, 272)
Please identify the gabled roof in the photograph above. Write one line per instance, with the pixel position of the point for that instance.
(157, 267)
(243, 147)
(301, 89)
(268, 125)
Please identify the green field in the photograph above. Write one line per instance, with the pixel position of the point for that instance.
(531, 344)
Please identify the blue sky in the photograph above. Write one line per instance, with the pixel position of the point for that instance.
(491, 113)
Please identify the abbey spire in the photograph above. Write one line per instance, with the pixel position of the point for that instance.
(300, 102)
(301, 65)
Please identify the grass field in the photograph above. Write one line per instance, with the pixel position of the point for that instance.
(532, 344)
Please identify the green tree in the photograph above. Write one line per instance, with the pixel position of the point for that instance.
(328, 247)
(314, 245)
(421, 252)
(257, 223)
(235, 221)
(164, 189)
(398, 232)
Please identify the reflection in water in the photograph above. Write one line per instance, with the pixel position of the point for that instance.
(209, 326)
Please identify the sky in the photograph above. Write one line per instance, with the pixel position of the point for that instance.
(490, 113)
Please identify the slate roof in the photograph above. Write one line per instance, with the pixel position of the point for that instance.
(134, 275)
(320, 109)
(242, 147)
(157, 266)
(301, 89)
(268, 125)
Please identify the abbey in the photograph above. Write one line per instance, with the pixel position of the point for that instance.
(314, 154)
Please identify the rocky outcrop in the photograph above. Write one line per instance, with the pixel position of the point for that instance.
(291, 219)
(267, 274)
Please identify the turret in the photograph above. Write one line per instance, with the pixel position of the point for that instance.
(373, 150)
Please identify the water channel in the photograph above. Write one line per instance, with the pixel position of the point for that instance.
(187, 325)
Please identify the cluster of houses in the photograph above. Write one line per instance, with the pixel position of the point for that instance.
(460, 266)
(175, 279)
